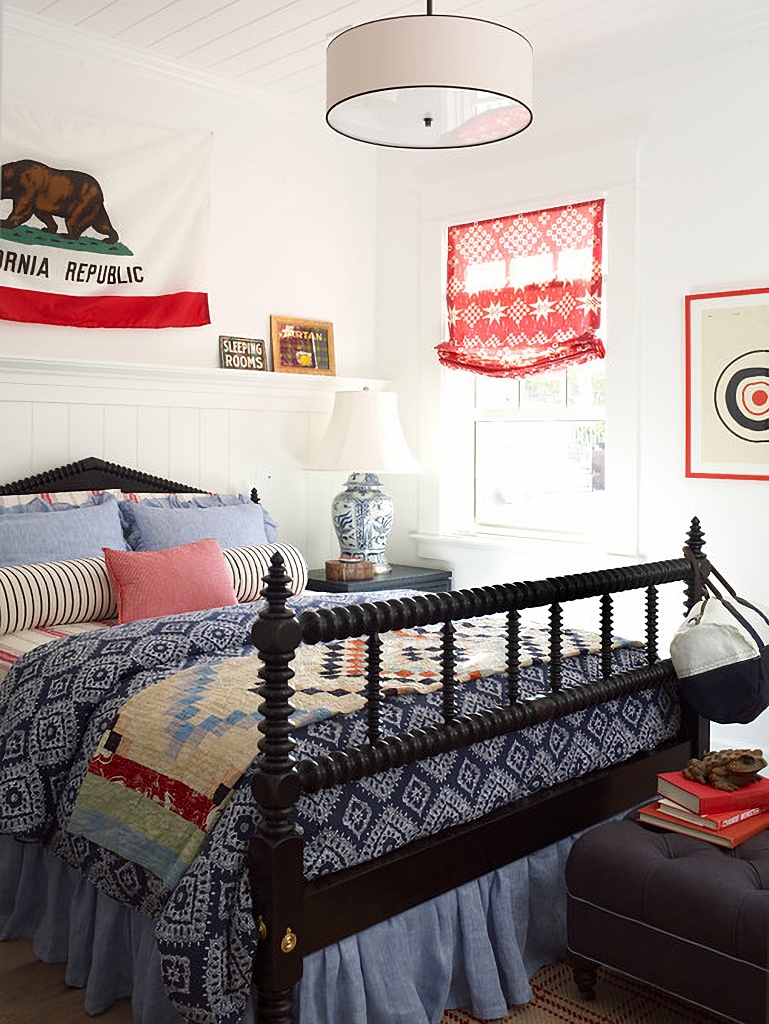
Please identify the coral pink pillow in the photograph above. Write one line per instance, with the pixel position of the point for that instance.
(187, 578)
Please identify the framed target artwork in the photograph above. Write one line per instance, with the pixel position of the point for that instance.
(727, 384)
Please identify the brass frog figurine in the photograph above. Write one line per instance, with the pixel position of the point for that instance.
(726, 769)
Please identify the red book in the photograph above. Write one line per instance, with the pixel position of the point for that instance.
(730, 836)
(707, 799)
(719, 819)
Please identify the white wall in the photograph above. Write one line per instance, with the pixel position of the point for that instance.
(293, 232)
(698, 179)
(203, 428)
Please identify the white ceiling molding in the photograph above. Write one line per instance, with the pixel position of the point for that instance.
(20, 27)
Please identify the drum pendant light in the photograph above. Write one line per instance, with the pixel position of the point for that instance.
(429, 81)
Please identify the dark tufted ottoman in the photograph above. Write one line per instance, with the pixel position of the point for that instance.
(679, 913)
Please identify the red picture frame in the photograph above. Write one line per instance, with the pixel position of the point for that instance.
(727, 384)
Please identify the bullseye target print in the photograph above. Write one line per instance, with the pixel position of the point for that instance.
(742, 396)
(727, 384)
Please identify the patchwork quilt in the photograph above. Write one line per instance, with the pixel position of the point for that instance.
(164, 772)
(60, 701)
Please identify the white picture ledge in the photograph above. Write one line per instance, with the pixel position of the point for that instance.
(111, 381)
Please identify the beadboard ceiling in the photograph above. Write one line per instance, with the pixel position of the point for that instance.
(278, 46)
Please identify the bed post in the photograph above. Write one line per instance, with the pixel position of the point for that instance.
(697, 728)
(275, 854)
(695, 541)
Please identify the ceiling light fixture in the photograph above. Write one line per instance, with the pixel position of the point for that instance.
(429, 82)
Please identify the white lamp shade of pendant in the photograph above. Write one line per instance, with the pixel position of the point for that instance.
(429, 82)
(365, 434)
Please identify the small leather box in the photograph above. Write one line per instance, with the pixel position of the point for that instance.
(354, 569)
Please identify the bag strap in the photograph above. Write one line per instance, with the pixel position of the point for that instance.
(697, 581)
(705, 587)
(709, 585)
(745, 624)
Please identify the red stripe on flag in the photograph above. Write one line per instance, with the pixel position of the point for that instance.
(169, 793)
(181, 309)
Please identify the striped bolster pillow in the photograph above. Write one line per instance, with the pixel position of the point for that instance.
(249, 566)
(53, 593)
(79, 590)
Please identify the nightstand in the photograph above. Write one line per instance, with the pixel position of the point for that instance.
(402, 577)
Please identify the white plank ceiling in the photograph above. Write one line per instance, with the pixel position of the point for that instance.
(278, 46)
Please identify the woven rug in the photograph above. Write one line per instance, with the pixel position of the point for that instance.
(618, 1001)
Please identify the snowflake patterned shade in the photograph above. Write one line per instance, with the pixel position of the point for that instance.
(524, 292)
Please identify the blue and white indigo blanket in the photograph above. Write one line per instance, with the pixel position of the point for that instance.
(58, 700)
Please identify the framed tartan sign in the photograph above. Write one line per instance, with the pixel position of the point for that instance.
(302, 346)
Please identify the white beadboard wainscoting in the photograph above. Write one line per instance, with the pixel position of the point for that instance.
(221, 430)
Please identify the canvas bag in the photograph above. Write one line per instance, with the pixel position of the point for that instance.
(721, 652)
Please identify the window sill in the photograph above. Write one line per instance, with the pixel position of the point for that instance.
(567, 554)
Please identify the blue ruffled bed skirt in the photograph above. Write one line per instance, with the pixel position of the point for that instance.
(474, 947)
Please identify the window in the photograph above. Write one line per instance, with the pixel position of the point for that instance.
(539, 451)
(523, 298)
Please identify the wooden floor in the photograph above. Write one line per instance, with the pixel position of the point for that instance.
(32, 992)
(35, 993)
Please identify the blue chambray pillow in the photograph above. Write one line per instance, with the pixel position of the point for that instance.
(184, 501)
(57, 537)
(232, 525)
(53, 501)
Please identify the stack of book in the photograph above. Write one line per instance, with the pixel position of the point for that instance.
(714, 815)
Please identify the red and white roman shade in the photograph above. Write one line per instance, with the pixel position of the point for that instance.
(523, 292)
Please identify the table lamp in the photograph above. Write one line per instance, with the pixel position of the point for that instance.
(364, 438)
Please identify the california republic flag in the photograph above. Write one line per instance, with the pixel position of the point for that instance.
(103, 225)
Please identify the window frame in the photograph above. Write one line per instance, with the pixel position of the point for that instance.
(446, 508)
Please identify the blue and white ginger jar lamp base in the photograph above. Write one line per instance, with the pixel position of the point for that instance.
(363, 516)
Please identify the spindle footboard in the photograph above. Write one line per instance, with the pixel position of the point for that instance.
(296, 917)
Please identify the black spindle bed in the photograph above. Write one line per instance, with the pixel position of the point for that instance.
(296, 916)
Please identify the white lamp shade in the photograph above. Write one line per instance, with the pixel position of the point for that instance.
(429, 82)
(365, 435)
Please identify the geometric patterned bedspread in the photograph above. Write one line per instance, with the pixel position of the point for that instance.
(58, 701)
(163, 773)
